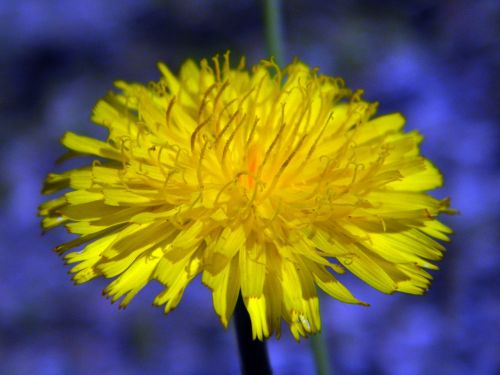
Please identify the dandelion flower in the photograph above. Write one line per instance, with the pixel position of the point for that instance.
(268, 182)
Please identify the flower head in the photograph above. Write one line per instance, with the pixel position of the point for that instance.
(268, 182)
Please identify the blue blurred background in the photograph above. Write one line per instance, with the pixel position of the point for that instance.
(434, 61)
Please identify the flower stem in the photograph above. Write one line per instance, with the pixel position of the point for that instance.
(320, 354)
(274, 39)
(273, 29)
(253, 353)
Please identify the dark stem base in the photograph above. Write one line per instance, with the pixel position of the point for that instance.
(253, 353)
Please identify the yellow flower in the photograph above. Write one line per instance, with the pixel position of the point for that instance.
(266, 182)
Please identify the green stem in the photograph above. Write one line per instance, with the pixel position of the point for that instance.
(318, 344)
(253, 353)
(274, 39)
(274, 29)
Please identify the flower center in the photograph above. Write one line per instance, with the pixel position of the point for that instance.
(248, 180)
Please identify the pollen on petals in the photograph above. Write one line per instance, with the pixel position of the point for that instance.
(270, 183)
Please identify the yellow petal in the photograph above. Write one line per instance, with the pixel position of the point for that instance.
(90, 146)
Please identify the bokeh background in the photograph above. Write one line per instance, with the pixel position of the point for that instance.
(435, 61)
